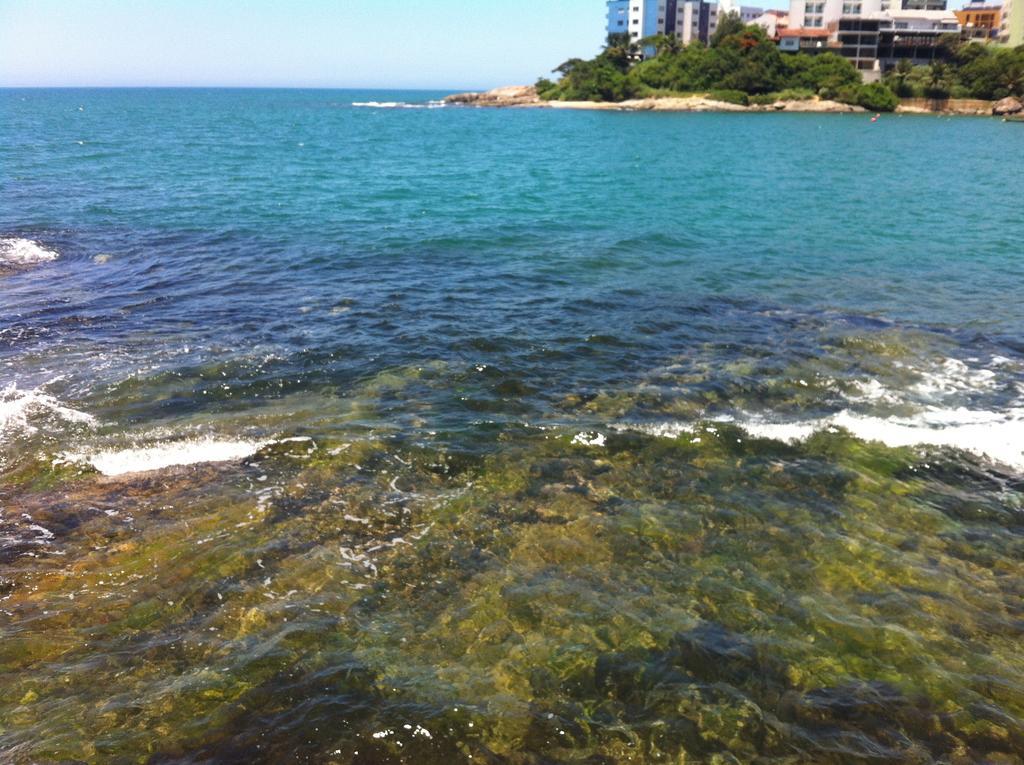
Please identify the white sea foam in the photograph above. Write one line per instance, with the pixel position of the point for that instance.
(22, 410)
(397, 105)
(873, 390)
(15, 251)
(589, 438)
(378, 104)
(670, 429)
(145, 459)
(953, 376)
(998, 436)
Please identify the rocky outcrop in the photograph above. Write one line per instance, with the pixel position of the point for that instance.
(514, 95)
(809, 105)
(1008, 105)
(526, 96)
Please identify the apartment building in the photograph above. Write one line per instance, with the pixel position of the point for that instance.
(686, 20)
(877, 42)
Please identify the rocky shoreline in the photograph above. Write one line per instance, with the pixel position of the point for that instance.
(525, 96)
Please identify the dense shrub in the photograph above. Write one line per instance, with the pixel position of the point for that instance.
(877, 98)
(730, 96)
(972, 70)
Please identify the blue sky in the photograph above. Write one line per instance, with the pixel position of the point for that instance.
(302, 43)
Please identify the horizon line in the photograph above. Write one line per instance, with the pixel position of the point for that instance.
(239, 87)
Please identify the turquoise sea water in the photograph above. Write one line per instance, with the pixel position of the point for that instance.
(397, 433)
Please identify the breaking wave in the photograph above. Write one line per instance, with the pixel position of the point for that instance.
(948, 405)
(397, 105)
(24, 411)
(15, 251)
(144, 459)
(998, 436)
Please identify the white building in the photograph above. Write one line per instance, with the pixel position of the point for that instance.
(825, 14)
(748, 14)
(772, 21)
(697, 21)
(686, 20)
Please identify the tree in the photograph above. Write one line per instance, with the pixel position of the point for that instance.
(728, 24)
(620, 51)
(938, 83)
(897, 79)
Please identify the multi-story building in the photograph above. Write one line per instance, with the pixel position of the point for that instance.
(698, 21)
(748, 14)
(980, 21)
(825, 14)
(686, 20)
(876, 42)
(1011, 26)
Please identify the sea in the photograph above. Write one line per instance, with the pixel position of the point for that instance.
(350, 427)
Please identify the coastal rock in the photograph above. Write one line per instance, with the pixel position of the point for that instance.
(513, 95)
(526, 96)
(1008, 105)
(818, 105)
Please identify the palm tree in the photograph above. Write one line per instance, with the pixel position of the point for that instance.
(621, 51)
(662, 43)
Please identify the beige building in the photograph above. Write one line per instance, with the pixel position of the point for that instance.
(980, 21)
(1011, 26)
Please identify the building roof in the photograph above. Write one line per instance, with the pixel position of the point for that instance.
(803, 32)
(942, 16)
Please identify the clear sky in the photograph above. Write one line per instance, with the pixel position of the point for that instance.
(444, 44)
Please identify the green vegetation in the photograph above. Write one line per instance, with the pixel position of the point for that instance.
(973, 70)
(741, 65)
(789, 94)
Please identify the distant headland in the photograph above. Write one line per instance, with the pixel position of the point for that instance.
(526, 97)
(688, 57)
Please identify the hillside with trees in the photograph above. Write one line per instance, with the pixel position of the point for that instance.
(969, 70)
(741, 64)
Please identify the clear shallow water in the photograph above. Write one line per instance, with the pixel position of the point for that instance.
(515, 435)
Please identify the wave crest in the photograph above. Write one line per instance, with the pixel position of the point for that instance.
(15, 251)
(145, 459)
(21, 411)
